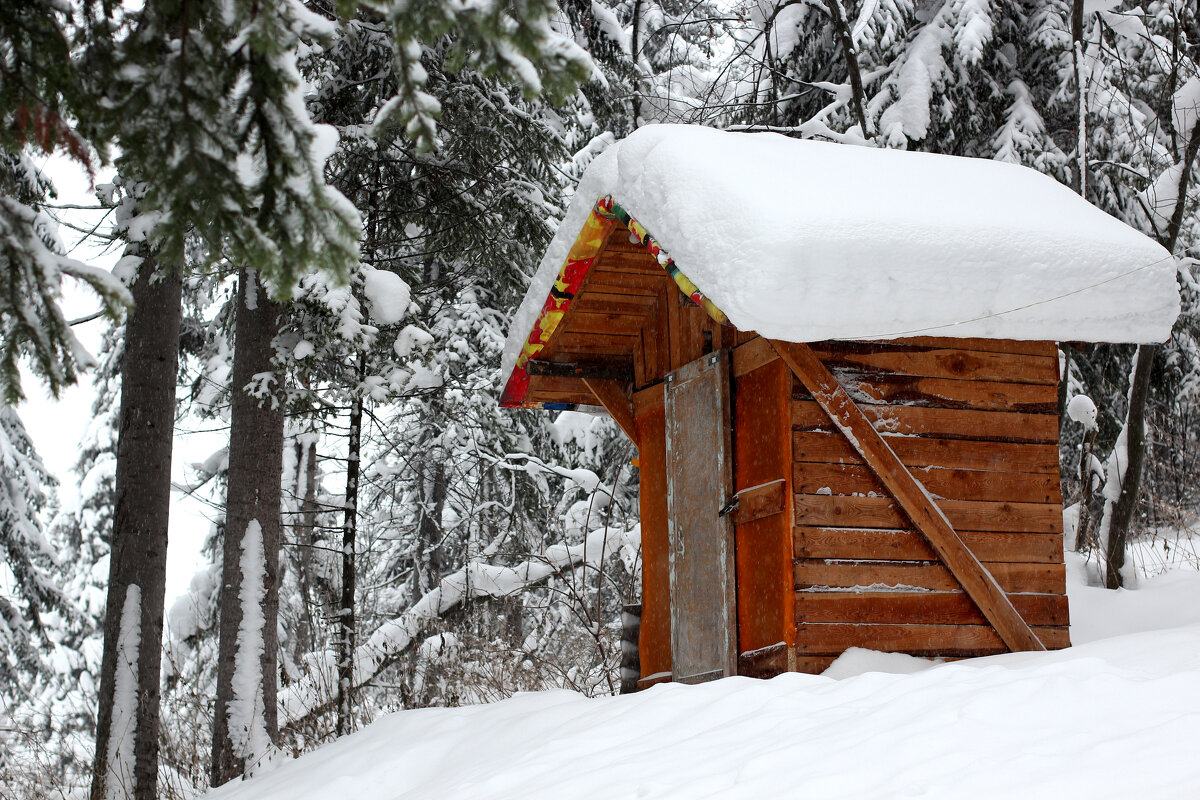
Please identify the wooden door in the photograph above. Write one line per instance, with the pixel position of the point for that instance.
(701, 551)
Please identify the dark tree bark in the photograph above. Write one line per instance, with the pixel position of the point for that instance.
(149, 369)
(635, 54)
(255, 479)
(1135, 447)
(305, 538)
(1079, 164)
(433, 503)
(346, 638)
(846, 38)
(1083, 537)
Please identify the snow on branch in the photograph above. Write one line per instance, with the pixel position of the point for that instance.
(477, 579)
(584, 478)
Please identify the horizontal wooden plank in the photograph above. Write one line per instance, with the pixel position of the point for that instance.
(938, 363)
(594, 299)
(567, 342)
(1031, 348)
(919, 640)
(1012, 577)
(550, 384)
(915, 451)
(947, 393)
(910, 545)
(603, 369)
(614, 284)
(621, 240)
(627, 261)
(572, 398)
(939, 423)
(931, 608)
(840, 511)
(954, 484)
(757, 351)
(813, 665)
(602, 275)
(586, 320)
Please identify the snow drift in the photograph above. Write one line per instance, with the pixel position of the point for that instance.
(1111, 718)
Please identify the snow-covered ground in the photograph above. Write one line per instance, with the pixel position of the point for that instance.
(1117, 715)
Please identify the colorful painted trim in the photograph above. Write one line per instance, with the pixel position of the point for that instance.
(599, 224)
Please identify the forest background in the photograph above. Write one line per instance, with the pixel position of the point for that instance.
(319, 217)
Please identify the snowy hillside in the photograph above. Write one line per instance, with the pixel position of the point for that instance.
(1114, 716)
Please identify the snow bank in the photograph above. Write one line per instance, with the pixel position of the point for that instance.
(805, 241)
(1111, 718)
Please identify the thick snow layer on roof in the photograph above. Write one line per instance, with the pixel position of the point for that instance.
(1110, 718)
(806, 241)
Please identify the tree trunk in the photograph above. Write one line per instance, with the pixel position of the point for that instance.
(255, 478)
(635, 55)
(149, 369)
(1079, 164)
(346, 638)
(305, 538)
(433, 560)
(846, 37)
(1135, 448)
(1083, 537)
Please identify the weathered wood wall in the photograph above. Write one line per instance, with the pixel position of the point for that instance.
(975, 422)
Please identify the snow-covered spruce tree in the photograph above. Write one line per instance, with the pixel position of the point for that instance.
(60, 709)
(28, 562)
(653, 59)
(41, 106)
(204, 100)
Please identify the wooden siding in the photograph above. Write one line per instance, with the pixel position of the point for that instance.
(974, 421)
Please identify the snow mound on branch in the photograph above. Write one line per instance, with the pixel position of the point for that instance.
(1110, 718)
(388, 295)
(1081, 409)
(805, 241)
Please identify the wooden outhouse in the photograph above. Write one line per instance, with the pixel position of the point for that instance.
(846, 420)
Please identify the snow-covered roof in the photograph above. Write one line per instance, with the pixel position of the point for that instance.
(806, 241)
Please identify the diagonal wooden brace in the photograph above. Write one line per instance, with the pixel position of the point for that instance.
(976, 581)
(614, 396)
